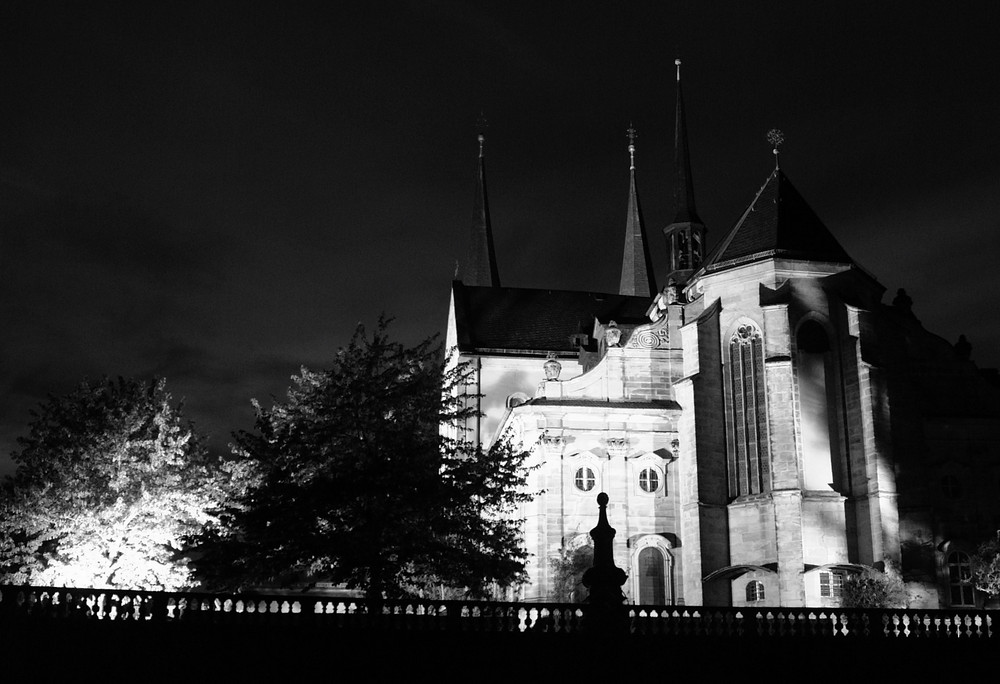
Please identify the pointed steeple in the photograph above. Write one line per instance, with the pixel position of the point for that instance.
(637, 263)
(684, 186)
(481, 265)
(686, 235)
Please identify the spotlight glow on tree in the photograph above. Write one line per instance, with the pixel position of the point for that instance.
(110, 480)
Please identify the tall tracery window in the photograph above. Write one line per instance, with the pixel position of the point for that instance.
(746, 413)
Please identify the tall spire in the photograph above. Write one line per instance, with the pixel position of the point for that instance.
(481, 264)
(686, 235)
(684, 188)
(637, 263)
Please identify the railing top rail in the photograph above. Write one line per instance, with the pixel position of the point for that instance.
(55, 603)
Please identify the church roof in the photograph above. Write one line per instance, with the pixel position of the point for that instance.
(522, 320)
(777, 223)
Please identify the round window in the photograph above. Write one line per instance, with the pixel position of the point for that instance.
(585, 479)
(649, 480)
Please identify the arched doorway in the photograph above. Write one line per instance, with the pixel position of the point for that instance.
(651, 572)
(652, 577)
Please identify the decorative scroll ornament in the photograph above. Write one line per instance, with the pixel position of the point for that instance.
(617, 446)
(650, 336)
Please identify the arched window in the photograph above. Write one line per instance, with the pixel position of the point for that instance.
(960, 579)
(652, 577)
(585, 479)
(746, 413)
(649, 480)
(755, 591)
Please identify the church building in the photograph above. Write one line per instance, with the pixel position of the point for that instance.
(763, 423)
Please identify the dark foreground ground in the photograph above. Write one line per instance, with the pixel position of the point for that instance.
(118, 652)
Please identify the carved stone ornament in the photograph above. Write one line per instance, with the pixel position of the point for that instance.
(552, 367)
(671, 292)
(617, 446)
(553, 444)
(612, 334)
(675, 447)
(650, 336)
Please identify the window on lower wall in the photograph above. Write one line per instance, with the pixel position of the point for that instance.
(652, 577)
(831, 584)
(960, 579)
(585, 479)
(755, 591)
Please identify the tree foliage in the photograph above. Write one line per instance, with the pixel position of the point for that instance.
(986, 567)
(358, 483)
(568, 569)
(110, 479)
(873, 588)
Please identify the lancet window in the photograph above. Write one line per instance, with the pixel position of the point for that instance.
(746, 413)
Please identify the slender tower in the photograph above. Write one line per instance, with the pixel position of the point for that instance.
(637, 264)
(481, 264)
(686, 235)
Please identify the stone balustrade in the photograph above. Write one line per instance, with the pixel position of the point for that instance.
(39, 604)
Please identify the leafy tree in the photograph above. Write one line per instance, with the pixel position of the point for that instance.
(568, 569)
(366, 479)
(986, 567)
(872, 588)
(110, 479)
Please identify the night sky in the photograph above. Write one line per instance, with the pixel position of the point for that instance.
(219, 194)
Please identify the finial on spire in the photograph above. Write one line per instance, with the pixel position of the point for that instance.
(632, 135)
(481, 126)
(677, 62)
(776, 138)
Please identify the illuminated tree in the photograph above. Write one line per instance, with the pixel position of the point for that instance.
(110, 479)
(873, 588)
(986, 567)
(568, 569)
(360, 485)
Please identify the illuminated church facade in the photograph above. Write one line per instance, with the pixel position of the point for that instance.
(763, 424)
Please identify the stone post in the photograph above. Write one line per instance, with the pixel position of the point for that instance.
(605, 612)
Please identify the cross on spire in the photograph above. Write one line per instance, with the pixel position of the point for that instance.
(776, 138)
(632, 135)
(481, 125)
